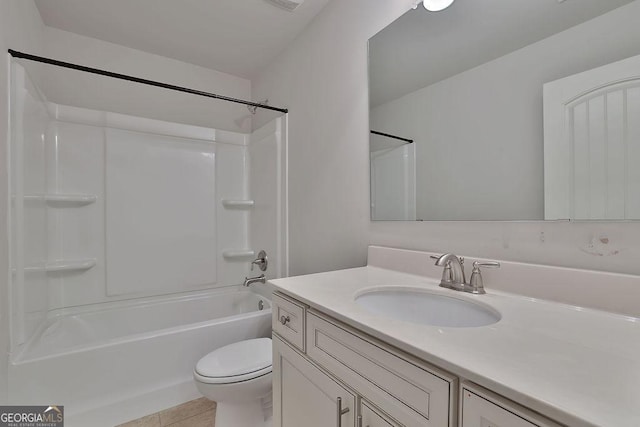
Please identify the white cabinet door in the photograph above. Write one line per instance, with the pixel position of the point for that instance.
(482, 408)
(372, 418)
(304, 396)
(414, 394)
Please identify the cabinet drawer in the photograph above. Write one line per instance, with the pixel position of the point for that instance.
(408, 390)
(288, 320)
(482, 408)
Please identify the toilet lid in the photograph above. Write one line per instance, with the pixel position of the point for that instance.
(236, 359)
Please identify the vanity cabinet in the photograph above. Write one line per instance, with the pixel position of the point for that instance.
(322, 367)
(314, 355)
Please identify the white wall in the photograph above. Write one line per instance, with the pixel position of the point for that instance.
(487, 123)
(100, 93)
(322, 78)
(20, 28)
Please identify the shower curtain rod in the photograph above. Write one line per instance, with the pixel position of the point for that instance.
(388, 135)
(57, 63)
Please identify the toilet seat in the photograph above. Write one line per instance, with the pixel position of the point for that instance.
(234, 363)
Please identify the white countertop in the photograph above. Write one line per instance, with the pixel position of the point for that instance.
(580, 367)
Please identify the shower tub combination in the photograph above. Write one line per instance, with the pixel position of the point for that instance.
(129, 359)
(122, 280)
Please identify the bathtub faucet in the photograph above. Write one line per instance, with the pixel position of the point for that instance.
(251, 280)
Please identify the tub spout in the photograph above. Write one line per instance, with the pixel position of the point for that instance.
(251, 280)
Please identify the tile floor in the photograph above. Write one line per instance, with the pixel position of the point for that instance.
(197, 413)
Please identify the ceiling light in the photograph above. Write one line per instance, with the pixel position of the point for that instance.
(437, 5)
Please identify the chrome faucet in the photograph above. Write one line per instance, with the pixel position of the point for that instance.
(251, 280)
(453, 276)
(262, 262)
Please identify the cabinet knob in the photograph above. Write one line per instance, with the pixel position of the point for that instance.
(284, 320)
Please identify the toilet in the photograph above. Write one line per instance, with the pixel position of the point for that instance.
(238, 378)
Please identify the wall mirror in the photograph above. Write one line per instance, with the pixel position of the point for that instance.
(507, 110)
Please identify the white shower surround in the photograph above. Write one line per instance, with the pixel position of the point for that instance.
(129, 359)
(151, 221)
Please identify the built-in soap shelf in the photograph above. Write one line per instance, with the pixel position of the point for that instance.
(63, 199)
(240, 254)
(238, 204)
(63, 265)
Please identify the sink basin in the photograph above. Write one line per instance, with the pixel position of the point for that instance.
(427, 308)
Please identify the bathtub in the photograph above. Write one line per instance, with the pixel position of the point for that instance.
(128, 359)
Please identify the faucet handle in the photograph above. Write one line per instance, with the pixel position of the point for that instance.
(490, 264)
(476, 285)
(262, 262)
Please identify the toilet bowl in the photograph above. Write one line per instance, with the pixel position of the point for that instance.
(238, 378)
